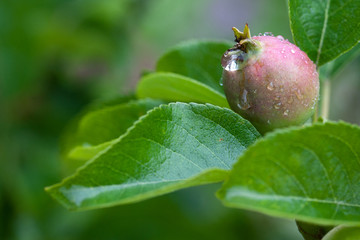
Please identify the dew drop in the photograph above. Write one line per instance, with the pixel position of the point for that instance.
(283, 50)
(270, 86)
(292, 51)
(221, 81)
(277, 105)
(232, 66)
(268, 34)
(313, 103)
(299, 95)
(243, 103)
(232, 60)
(280, 37)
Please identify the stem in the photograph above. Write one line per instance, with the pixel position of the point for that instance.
(325, 103)
(315, 116)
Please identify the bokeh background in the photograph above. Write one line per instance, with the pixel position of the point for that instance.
(57, 56)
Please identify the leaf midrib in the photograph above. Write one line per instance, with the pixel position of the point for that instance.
(282, 197)
(326, 17)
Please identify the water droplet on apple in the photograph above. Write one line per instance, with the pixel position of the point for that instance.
(232, 60)
(243, 103)
(268, 34)
(270, 86)
(277, 105)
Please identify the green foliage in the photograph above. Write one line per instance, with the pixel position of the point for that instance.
(92, 131)
(200, 60)
(309, 173)
(325, 29)
(172, 147)
(343, 233)
(72, 40)
(140, 150)
(175, 87)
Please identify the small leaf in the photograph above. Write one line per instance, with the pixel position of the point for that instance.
(311, 174)
(199, 60)
(325, 29)
(105, 123)
(172, 147)
(175, 87)
(343, 233)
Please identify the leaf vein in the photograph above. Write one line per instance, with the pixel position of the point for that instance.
(213, 153)
(326, 16)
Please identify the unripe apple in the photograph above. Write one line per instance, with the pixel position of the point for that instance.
(269, 81)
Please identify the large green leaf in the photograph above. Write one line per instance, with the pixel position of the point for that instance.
(325, 29)
(199, 60)
(94, 130)
(175, 87)
(310, 173)
(172, 147)
(343, 233)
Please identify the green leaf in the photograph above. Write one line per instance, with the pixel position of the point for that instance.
(310, 173)
(199, 60)
(331, 69)
(343, 233)
(86, 152)
(103, 124)
(172, 147)
(325, 29)
(175, 87)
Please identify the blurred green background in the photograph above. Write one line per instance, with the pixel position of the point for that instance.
(58, 56)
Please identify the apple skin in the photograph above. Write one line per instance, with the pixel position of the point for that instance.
(274, 86)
